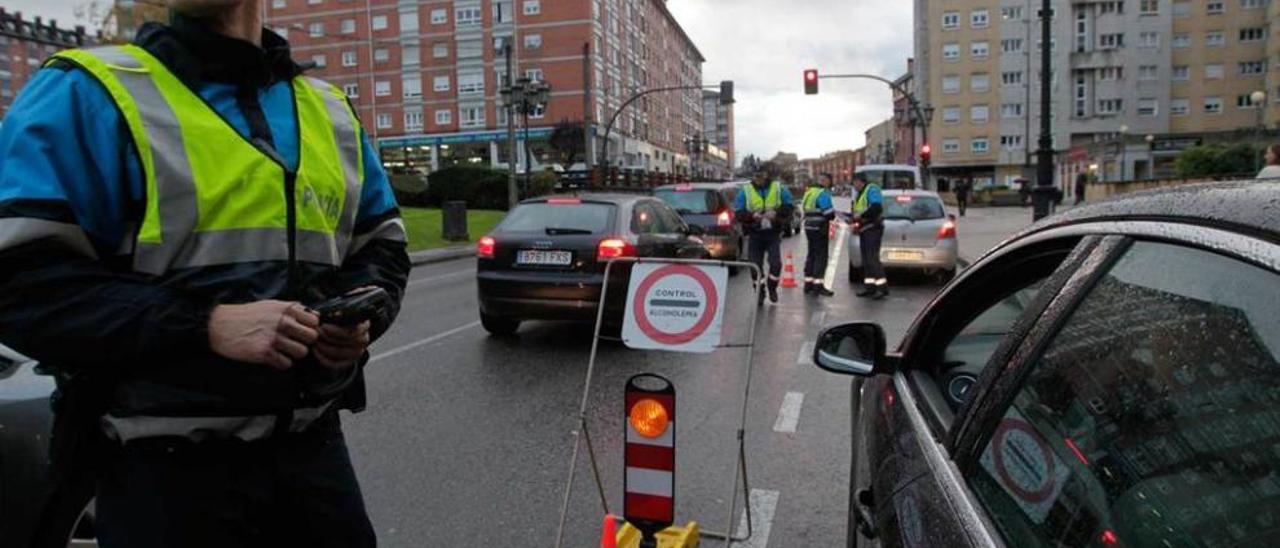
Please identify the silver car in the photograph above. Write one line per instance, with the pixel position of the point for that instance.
(918, 235)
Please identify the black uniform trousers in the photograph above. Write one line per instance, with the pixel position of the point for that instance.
(767, 242)
(815, 261)
(292, 490)
(869, 244)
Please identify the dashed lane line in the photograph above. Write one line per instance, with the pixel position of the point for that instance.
(423, 342)
(763, 505)
(442, 277)
(789, 414)
(806, 353)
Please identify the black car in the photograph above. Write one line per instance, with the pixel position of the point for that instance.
(33, 511)
(1108, 377)
(546, 259)
(710, 206)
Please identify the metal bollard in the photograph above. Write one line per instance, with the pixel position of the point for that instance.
(455, 221)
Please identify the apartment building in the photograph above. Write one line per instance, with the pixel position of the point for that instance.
(1133, 82)
(840, 164)
(718, 127)
(426, 76)
(25, 44)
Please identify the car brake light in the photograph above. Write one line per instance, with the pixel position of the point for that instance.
(564, 201)
(614, 248)
(948, 230)
(903, 198)
(724, 219)
(684, 188)
(485, 247)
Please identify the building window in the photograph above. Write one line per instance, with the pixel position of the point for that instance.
(950, 146)
(348, 26)
(412, 87)
(440, 83)
(1011, 13)
(1181, 73)
(351, 90)
(348, 58)
(1011, 78)
(534, 74)
(1246, 101)
(1111, 74)
(1181, 10)
(1011, 142)
(532, 7)
(1011, 45)
(314, 2)
(951, 84)
(1149, 40)
(539, 111)
(379, 22)
(444, 117)
(1105, 8)
(471, 83)
(1256, 34)
(950, 20)
(381, 55)
(277, 4)
(410, 56)
(1148, 72)
(1111, 41)
(1011, 110)
(1213, 105)
(466, 17)
(1253, 4)
(1148, 107)
(1215, 39)
(979, 19)
(979, 114)
(470, 48)
(1110, 106)
(951, 115)
(951, 52)
(1253, 68)
(439, 17)
(382, 88)
(412, 122)
(384, 120)
(1213, 72)
(979, 146)
(319, 60)
(979, 82)
(1148, 7)
(1179, 107)
(533, 41)
(1216, 7)
(440, 50)
(1181, 40)
(471, 116)
(317, 30)
(979, 50)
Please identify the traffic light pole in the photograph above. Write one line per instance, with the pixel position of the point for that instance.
(911, 101)
(608, 129)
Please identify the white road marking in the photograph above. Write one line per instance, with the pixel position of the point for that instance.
(441, 277)
(789, 414)
(423, 342)
(764, 504)
(842, 232)
(806, 353)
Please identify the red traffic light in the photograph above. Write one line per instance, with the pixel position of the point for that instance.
(811, 82)
(925, 152)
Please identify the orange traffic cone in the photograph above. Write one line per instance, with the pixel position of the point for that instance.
(609, 534)
(789, 272)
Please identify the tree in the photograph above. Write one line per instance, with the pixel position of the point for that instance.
(1216, 160)
(568, 143)
(118, 21)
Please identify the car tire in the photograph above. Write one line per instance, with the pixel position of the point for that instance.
(502, 327)
(68, 517)
(943, 277)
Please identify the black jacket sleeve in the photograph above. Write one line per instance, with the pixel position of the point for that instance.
(381, 260)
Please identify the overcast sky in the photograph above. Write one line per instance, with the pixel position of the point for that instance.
(764, 46)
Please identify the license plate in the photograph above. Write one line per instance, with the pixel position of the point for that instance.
(544, 258)
(911, 256)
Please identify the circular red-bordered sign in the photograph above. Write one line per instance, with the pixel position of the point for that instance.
(997, 453)
(639, 304)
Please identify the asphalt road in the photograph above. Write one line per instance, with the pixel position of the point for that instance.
(467, 438)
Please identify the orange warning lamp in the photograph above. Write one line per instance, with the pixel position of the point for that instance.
(649, 418)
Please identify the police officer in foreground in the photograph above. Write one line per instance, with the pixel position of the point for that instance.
(763, 207)
(819, 211)
(868, 216)
(169, 210)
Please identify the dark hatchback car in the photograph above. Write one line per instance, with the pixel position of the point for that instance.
(1107, 377)
(710, 206)
(546, 259)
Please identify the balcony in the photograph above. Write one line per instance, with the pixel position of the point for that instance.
(1097, 59)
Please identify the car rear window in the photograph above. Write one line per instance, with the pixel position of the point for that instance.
(916, 208)
(890, 179)
(697, 201)
(539, 217)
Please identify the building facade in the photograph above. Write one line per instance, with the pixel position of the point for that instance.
(882, 142)
(717, 125)
(1133, 82)
(25, 44)
(426, 76)
(840, 164)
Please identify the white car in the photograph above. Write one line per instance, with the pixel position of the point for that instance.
(919, 235)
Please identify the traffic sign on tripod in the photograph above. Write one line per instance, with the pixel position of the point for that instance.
(676, 307)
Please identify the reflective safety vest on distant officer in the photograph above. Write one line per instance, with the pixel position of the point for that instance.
(815, 217)
(861, 205)
(773, 200)
(213, 196)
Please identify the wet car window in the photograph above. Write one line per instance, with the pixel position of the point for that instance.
(689, 201)
(891, 179)
(538, 217)
(1151, 419)
(671, 221)
(967, 354)
(914, 208)
(644, 220)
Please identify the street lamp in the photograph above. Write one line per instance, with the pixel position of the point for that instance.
(1124, 149)
(1151, 156)
(1259, 99)
(525, 97)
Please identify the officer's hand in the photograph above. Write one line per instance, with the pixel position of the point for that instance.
(339, 347)
(273, 333)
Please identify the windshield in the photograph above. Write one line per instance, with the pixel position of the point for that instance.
(916, 208)
(685, 202)
(563, 218)
(891, 179)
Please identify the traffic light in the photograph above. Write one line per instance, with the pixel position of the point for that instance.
(726, 92)
(925, 152)
(811, 82)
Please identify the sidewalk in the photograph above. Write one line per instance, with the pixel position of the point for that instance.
(982, 228)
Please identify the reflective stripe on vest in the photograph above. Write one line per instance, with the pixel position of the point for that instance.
(810, 203)
(756, 203)
(197, 429)
(861, 205)
(212, 197)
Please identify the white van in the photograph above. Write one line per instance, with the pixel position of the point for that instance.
(893, 176)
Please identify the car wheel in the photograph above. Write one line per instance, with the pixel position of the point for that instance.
(69, 520)
(945, 276)
(499, 326)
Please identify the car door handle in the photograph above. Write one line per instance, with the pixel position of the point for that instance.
(866, 513)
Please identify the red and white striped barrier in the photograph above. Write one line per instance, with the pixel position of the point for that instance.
(650, 460)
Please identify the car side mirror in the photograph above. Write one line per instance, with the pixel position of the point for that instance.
(695, 230)
(851, 349)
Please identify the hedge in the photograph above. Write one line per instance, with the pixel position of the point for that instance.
(480, 187)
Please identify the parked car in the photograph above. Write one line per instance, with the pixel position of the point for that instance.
(546, 259)
(710, 206)
(919, 235)
(1107, 377)
(33, 512)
